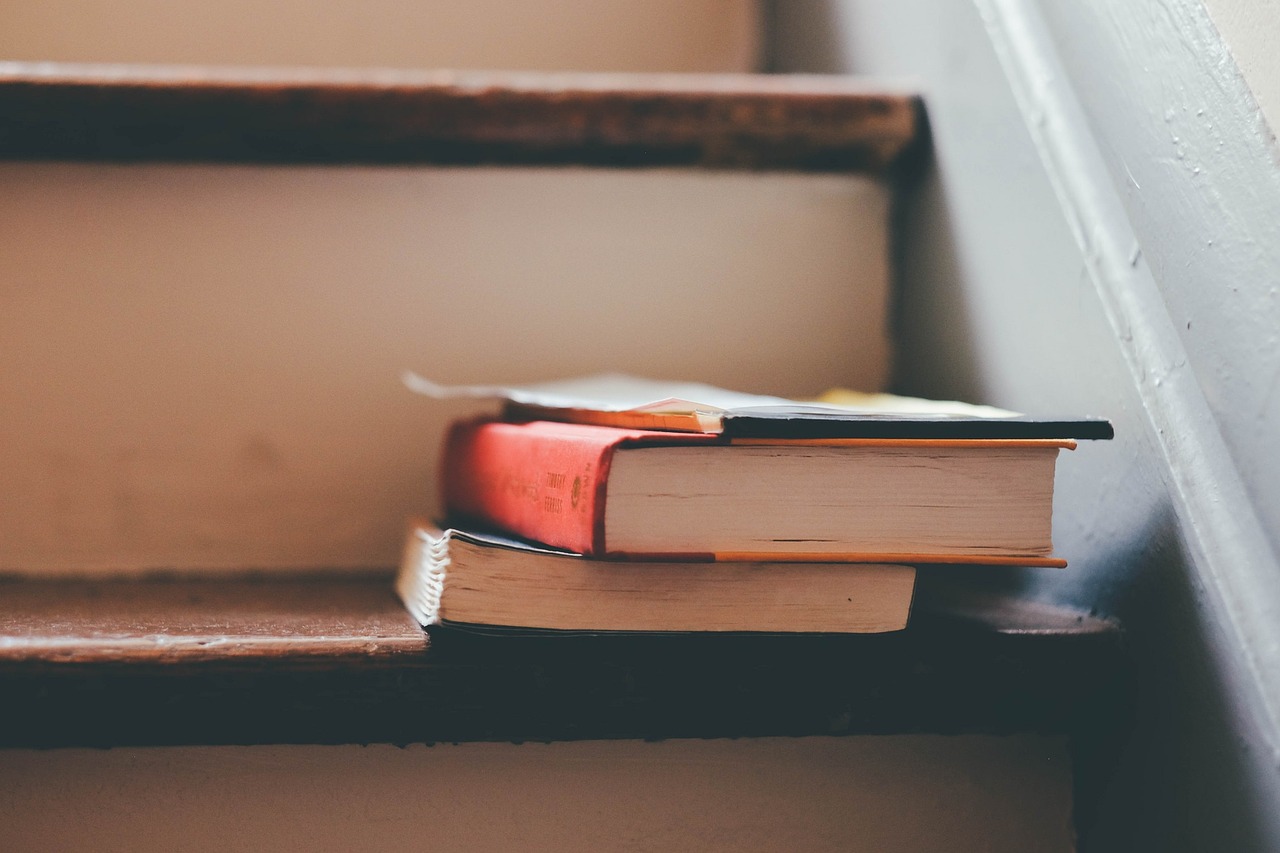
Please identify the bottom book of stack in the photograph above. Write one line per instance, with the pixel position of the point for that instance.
(455, 577)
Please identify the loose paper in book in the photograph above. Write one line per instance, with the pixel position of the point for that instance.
(622, 400)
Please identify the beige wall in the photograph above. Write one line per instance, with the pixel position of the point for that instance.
(884, 794)
(199, 365)
(619, 35)
(1251, 29)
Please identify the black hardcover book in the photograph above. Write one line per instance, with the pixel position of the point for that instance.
(799, 423)
(635, 403)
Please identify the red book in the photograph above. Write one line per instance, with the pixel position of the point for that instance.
(544, 481)
(636, 494)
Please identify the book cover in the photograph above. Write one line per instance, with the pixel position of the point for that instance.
(543, 480)
(843, 500)
(494, 583)
(630, 402)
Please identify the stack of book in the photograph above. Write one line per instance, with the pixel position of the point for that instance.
(616, 504)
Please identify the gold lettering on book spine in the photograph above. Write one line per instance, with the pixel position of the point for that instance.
(549, 490)
(515, 486)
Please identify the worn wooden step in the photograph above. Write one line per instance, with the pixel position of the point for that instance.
(151, 113)
(334, 659)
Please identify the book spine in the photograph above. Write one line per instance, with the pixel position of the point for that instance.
(542, 484)
(420, 582)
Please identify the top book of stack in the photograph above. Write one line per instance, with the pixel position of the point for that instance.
(619, 468)
(630, 402)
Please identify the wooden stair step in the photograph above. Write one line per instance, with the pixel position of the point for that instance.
(335, 659)
(53, 111)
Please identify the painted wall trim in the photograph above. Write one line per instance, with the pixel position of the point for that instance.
(1231, 551)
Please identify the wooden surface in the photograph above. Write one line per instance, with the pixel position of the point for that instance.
(335, 660)
(168, 621)
(135, 113)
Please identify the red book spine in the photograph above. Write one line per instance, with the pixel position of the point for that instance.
(542, 481)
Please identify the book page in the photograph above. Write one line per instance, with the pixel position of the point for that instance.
(617, 392)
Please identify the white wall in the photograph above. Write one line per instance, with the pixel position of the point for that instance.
(993, 303)
(1138, 283)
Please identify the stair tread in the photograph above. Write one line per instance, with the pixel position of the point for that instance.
(335, 659)
(58, 111)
